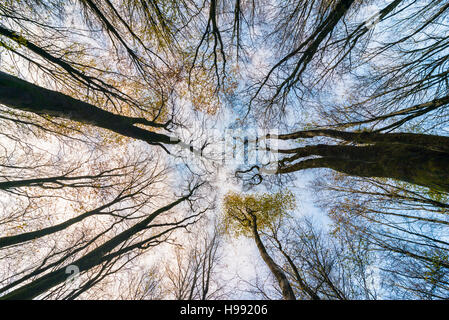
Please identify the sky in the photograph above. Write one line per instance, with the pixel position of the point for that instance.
(241, 254)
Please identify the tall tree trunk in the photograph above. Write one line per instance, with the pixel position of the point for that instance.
(432, 142)
(19, 94)
(413, 164)
(284, 284)
(302, 284)
(32, 235)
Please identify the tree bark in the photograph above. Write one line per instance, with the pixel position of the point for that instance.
(415, 165)
(20, 94)
(287, 291)
(302, 284)
(433, 142)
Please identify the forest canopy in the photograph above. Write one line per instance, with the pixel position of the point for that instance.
(224, 149)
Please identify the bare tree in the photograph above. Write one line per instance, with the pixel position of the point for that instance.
(194, 272)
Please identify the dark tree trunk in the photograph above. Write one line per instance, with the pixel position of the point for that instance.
(415, 158)
(287, 291)
(19, 94)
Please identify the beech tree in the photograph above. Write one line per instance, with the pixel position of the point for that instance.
(101, 254)
(246, 215)
(415, 158)
(403, 222)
